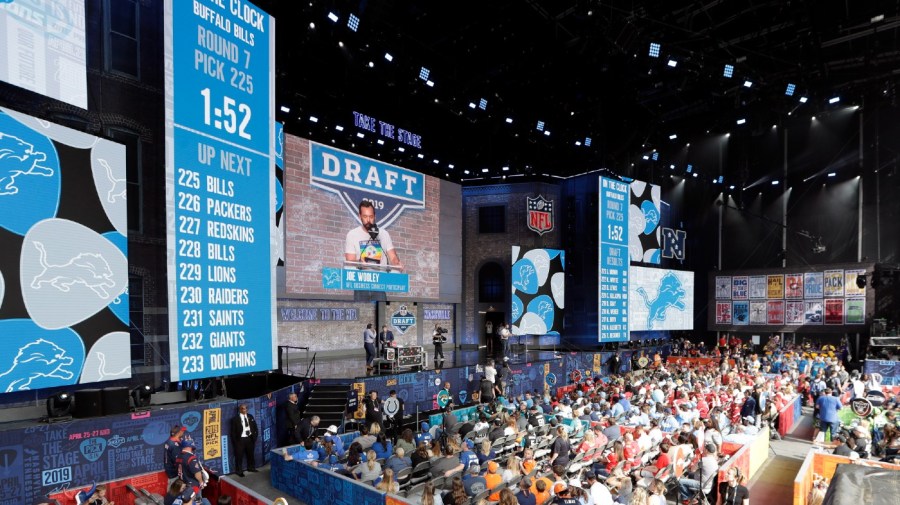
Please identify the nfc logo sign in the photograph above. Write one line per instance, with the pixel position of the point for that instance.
(673, 243)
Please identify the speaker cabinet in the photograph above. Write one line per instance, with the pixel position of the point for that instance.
(88, 403)
(115, 401)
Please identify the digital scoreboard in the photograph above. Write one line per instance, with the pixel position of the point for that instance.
(220, 187)
(613, 261)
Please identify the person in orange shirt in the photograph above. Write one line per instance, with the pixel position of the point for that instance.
(541, 490)
(493, 480)
(528, 462)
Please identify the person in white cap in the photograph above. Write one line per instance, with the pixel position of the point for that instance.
(332, 436)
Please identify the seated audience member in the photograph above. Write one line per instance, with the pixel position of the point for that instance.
(371, 469)
(702, 477)
(457, 494)
(473, 482)
(398, 461)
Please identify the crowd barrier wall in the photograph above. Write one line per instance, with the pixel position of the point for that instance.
(824, 464)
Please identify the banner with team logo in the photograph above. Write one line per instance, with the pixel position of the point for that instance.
(538, 291)
(644, 213)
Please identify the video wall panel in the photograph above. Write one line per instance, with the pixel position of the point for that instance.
(221, 196)
(538, 291)
(660, 299)
(324, 187)
(823, 298)
(44, 48)
(64, 256)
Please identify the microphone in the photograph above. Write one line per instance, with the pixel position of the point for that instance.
(373, 230)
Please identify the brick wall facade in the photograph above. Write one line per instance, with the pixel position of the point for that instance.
(482, 248)
(317, 223)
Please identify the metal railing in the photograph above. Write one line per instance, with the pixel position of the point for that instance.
(284, 360)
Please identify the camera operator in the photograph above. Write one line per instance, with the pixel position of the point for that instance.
(438, 338)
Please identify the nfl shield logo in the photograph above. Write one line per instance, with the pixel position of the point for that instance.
(540, 215)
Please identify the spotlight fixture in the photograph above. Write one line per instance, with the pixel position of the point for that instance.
(484, 170)
(803, 99)
(437, 162)
(645, 157)
(834, 99)
(673, 136)
(540, 126)
(360, 135)
(776, 182)
(748, 84)
(380, 142)
(577, 142)
(861, 281)
(420, 156)
(506, 169)
(339, 128)
(731, 187)
(789, 90)
(728, 71)
(654, 50)
(430, 84)
(312, 26)
(353, 22)
(741, 121)
(313, 119)
(59, 407)
(695, 174)
(466, 172)
(333, 17)
(547, 133)
(401, 149)
(451, 166)
(672, 63)
(482, 104)
(832, 174)
(472, 105)
(818, 247)
(424, 73)
(371, 64)
(509, 120)
(140, 396)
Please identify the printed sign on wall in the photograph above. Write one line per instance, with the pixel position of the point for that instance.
(812, 285)
(793, 286)
(740, 287)
(757, 312)
(794, 313)
(740, 311)
(834, 311)
(855, 311)
(758, 287)
(775, 286)
(723, 312)
(661, 299)
(834, 283)
(723, 287)
(64, 301)
(775, 312)
(813, 312)
(851, 288)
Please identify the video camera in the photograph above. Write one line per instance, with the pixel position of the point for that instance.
(438, 329)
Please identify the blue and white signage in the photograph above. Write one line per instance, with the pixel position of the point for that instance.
(390, 188)
(403, 319)
(364, 280)
(220, 187)
(614, 261)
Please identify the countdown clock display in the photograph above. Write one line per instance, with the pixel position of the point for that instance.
(220, 187)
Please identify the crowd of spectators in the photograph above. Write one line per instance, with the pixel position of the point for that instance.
(623, 438)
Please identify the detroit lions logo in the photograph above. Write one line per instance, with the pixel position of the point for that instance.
(671, 294)
(118, 189)
(33, 361)
(17, 158)
(89, 269)
(525, 273)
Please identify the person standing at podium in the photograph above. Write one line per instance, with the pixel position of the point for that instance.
(367, 244)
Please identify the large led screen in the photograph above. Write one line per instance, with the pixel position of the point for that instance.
(324, 187)
(221, 189)
(660, 299)
(44, 48)
(64, 256)
(538, 291)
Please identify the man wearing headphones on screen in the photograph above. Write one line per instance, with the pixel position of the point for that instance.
(367, 244)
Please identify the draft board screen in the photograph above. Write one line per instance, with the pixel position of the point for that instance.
(44, 48)
(64, 256)
(221, 196)
(661, 299)
(538, 291)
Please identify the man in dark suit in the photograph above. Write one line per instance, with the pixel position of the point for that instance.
(243, 435)
(374, 415)
(292, 415)
(386, 337)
